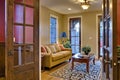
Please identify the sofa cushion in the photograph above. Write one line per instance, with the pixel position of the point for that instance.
(57, 56)
(66, 53)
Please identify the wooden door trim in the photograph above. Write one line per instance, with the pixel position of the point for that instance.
(114, 20)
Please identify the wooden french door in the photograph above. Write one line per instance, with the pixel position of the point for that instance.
(107, 40)
(22, 40)
(75, 34)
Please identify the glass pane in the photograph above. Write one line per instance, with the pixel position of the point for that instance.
(19, 0)
(52, 30)
(77, 49)
(77, 41)
(29, 2)
(29, 35)
(29, 54)
(29, 15)
(73, 49)
(18, 34)
(18, 13)
(73, 40)
(73, 33)
(18, 57)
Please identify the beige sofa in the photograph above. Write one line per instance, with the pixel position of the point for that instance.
(53, 58)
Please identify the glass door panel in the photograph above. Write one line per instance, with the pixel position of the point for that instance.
(28, 35)
(75, 35)
(18, 34)
(28, 17)
(18, 13)
(29, 54)
(18, 56)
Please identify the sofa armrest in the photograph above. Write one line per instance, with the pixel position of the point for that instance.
(47, 59)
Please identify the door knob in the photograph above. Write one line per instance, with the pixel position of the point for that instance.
(114, 64)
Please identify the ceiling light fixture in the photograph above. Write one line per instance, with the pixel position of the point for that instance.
(85, 5)
(69, 9)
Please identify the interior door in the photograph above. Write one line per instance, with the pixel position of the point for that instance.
(22, 37)
(107, 40)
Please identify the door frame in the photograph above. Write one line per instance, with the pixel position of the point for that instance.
(9, 31)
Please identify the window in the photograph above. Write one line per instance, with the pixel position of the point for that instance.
(53, 30)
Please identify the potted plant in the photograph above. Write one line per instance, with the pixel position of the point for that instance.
(86, 49)
(67, 44)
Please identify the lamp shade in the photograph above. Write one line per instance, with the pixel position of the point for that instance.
(63, 35)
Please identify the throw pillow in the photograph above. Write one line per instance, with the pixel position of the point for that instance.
(61, 47)
(48, 49)
(53, 49)
(57, 47)
(43, 49)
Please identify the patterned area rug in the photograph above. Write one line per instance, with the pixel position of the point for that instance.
(79, 72)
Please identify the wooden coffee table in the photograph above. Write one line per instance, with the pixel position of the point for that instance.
(83, 59)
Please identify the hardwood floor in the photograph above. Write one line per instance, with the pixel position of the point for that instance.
(2, 78)
(45, 73)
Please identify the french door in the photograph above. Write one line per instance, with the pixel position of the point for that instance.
(22, 40)
(75, 34)
(107, 40)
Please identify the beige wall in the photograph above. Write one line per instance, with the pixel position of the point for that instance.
(89, 28)
(45, 24)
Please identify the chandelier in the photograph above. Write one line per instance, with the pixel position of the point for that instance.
(85, 5)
